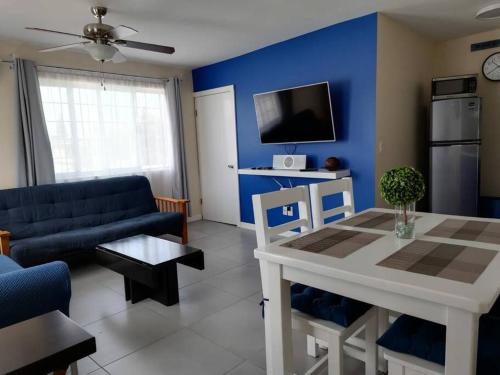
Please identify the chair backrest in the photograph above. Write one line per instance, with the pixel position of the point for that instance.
(318, 191)
(264, 202)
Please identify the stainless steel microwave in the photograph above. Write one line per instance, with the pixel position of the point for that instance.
(454, 87)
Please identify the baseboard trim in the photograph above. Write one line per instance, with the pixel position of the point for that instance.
(190, 219)
(251, 226)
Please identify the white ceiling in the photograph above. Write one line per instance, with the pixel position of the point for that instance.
(206, 31)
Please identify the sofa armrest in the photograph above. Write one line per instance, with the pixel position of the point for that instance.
(4, 242)
(166, 204)
(34, 291)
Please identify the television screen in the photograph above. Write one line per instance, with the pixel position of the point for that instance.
(295, 115)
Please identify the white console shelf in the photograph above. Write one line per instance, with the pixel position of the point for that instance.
(320, 173)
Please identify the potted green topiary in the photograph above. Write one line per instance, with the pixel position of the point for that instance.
(402, 187)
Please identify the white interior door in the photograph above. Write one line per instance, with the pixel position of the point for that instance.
(218, 157)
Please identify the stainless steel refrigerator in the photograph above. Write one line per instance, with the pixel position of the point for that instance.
(454, 156)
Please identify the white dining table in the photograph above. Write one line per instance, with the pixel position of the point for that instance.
(457, 305)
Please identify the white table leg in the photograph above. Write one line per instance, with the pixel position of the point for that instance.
(280, 322)
(461, 342)
(371, 334)
(383, 325)
(267, 326)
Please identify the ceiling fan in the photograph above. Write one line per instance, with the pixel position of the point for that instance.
(101, 40)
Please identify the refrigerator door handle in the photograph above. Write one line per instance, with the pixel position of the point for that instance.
(456, 143)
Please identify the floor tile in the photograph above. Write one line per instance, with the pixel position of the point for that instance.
(225, 334)
(238, 328)
(214, 242)
(241, 281)
(247, 368)
(115, 283)
(301, 361)
(95, 303)
(89, 273)
(241, 253)
(98, 372)
(182, 353)
(85, 366)
(209, 227)
(125, 332)
(194, 234)
(197, 301)
(257, 297)
(214, 265)
(240, 235)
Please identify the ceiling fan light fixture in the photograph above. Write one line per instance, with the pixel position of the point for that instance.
(490, 10)
(101, 52)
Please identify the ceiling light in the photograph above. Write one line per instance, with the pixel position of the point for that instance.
(101, 52)
(489, 10)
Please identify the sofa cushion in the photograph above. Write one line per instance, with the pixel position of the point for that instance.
(50, 209)
(327, 306)
(427, 340)
(8, 265)
(42, 249)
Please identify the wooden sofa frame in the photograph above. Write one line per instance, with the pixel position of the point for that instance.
(164, 204)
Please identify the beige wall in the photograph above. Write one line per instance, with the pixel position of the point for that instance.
(404, 73)
(406, 63)
(454, 57)
(8, 131)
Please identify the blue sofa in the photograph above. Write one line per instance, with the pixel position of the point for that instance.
(29, 292)
(53, 222)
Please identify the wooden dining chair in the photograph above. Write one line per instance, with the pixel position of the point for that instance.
(325, 189)
(331, 333)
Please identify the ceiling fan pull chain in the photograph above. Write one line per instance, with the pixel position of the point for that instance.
(103, 83)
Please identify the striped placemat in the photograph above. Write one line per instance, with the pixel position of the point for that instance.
(453, 262)
(337, 243)
(469, 230)
(371, 220)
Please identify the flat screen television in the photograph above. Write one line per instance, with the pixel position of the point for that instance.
(295, 115)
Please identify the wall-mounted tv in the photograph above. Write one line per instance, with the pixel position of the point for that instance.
(295, 115)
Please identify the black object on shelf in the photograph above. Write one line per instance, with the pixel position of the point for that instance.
(309, 170)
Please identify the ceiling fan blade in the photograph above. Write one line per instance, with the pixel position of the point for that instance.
(145, 46)
(122, 31)
(65, 46)
(118, 58)
(58, 32)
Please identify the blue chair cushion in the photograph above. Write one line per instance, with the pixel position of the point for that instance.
(8, 265)
(36, 250)
(427, 340)
(327, 306)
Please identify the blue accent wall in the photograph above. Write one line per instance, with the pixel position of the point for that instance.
(345, 55)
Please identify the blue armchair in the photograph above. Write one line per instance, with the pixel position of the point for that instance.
(29, 292)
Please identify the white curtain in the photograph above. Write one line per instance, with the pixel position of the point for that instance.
(107, 125)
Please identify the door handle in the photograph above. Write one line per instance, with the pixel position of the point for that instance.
(230, 166)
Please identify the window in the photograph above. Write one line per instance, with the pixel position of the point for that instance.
(120, 128)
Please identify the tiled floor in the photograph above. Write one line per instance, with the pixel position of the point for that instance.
(215, 329)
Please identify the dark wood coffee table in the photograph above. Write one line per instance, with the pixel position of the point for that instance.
(149, 266)
(43, 344)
